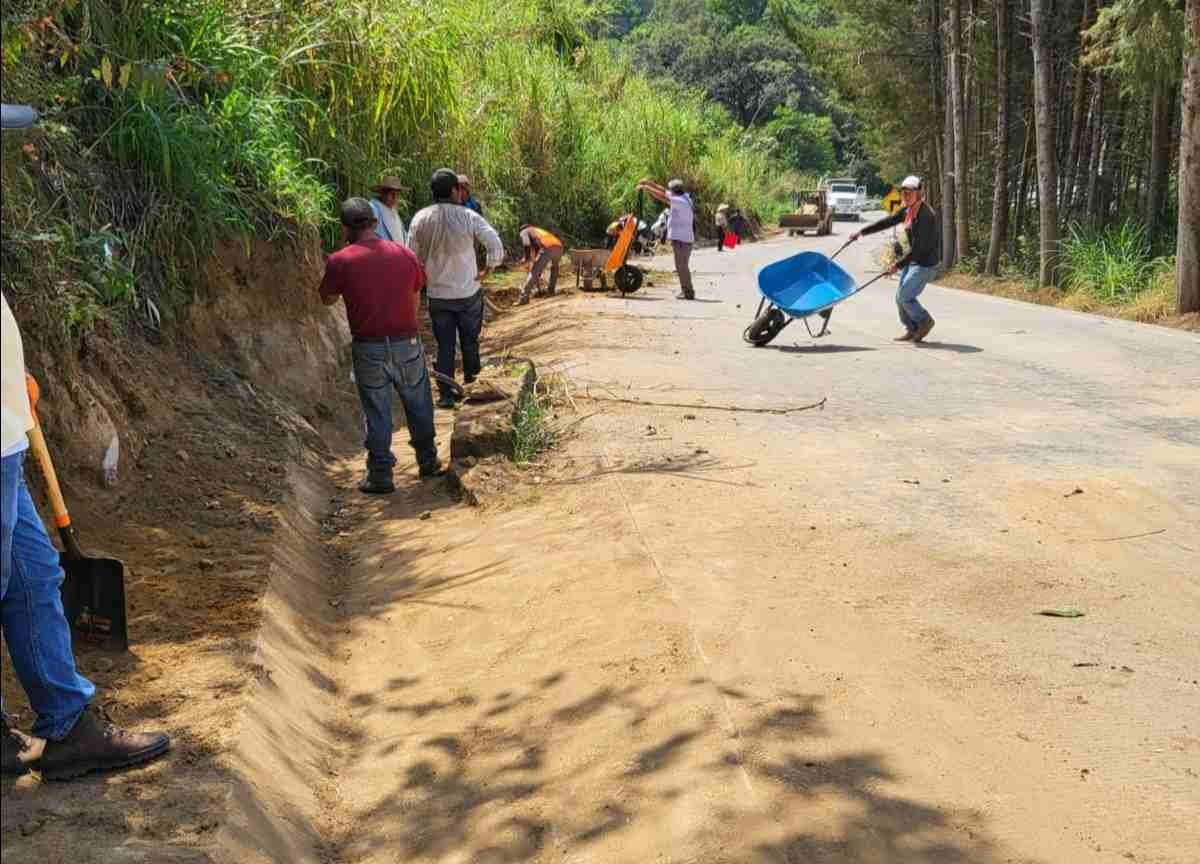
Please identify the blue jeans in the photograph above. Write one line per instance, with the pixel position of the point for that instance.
(380, 367)
(31, 610)
(913, 280)
(461, 319)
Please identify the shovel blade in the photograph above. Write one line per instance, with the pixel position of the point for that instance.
(93, 595)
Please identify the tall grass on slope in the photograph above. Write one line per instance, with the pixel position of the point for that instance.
(1114, 266)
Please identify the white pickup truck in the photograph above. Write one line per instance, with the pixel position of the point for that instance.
(846, 198)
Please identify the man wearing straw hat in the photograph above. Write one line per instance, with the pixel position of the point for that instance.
(722, 221)
(387, 196)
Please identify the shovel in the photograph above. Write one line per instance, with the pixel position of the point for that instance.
(93, 592)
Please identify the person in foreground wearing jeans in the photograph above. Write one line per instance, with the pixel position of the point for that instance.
(443, 236)
(71, 736)
(919, 264)
(380, 283)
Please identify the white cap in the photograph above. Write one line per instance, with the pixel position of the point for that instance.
(911, 182)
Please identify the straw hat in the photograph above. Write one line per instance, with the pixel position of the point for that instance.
(391, 184)
(722, 208)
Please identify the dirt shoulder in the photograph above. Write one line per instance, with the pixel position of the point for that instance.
(1155, 307)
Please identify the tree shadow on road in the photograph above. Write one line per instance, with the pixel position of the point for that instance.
(469, 783)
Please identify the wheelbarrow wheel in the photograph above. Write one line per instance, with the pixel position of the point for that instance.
(628, 279)
(765, 327)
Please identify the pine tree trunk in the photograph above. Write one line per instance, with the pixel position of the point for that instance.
(949, 232)
(1099, 154)
(1079, 105)
(1187, 252)
(1088, 149)
(1047, 143)
(1160, 154)
(961, 207)
(1018, 227)
(1110, 165)
(1000, 191)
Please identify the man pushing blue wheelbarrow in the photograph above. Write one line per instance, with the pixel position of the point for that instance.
(811, 284)
(797, 288)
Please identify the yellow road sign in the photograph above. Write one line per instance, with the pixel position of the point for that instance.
(891, 202)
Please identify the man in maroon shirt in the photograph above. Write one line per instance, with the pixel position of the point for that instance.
(380, 283)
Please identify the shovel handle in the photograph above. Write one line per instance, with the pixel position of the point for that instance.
(62, 516)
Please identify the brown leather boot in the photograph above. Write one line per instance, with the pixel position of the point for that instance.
(906, 336)
(924, 329)
(95, 744)
(18, 752)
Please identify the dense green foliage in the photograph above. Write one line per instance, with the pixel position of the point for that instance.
(737, 54)
(170, 124)
(1116, 66)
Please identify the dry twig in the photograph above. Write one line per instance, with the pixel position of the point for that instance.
(700, 406)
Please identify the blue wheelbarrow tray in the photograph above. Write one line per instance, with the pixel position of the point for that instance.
(805, 284)
(795, 288)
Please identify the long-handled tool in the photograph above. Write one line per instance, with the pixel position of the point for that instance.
(93, 592)
(841, 249)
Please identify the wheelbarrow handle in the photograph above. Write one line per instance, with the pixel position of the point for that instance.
(37, 443)
(841, 250)
(873, 281)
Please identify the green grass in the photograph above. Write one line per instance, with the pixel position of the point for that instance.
(531, 432)
(171, 126)
(1114, 266)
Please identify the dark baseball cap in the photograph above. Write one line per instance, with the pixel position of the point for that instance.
(357, 213)
(443, 182)
(17, 116)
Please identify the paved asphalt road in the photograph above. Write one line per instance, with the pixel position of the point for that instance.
(905, 537)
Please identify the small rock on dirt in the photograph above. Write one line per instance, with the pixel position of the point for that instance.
(426, 514)
(182, 456)
(1074, 492)
(689, 416)
(206, 564)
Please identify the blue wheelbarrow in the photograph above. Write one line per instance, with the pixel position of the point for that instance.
(797, 288)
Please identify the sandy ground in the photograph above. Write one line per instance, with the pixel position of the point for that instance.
(719, 636)
(707, 636)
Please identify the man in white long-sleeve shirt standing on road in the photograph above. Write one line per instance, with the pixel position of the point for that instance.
(443, 236)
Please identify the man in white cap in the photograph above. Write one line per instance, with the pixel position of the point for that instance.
(681, 229)
(919, 264)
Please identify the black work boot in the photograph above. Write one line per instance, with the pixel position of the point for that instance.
(376, 486)
(432, 468)
(95, 744)
(18, 752)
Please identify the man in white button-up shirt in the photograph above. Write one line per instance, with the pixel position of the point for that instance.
(443, 236)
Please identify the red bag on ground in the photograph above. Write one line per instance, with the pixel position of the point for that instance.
(731, 240)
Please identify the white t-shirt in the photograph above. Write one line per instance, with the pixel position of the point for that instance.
(681, 226)
(15, 417)
(443, 237)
